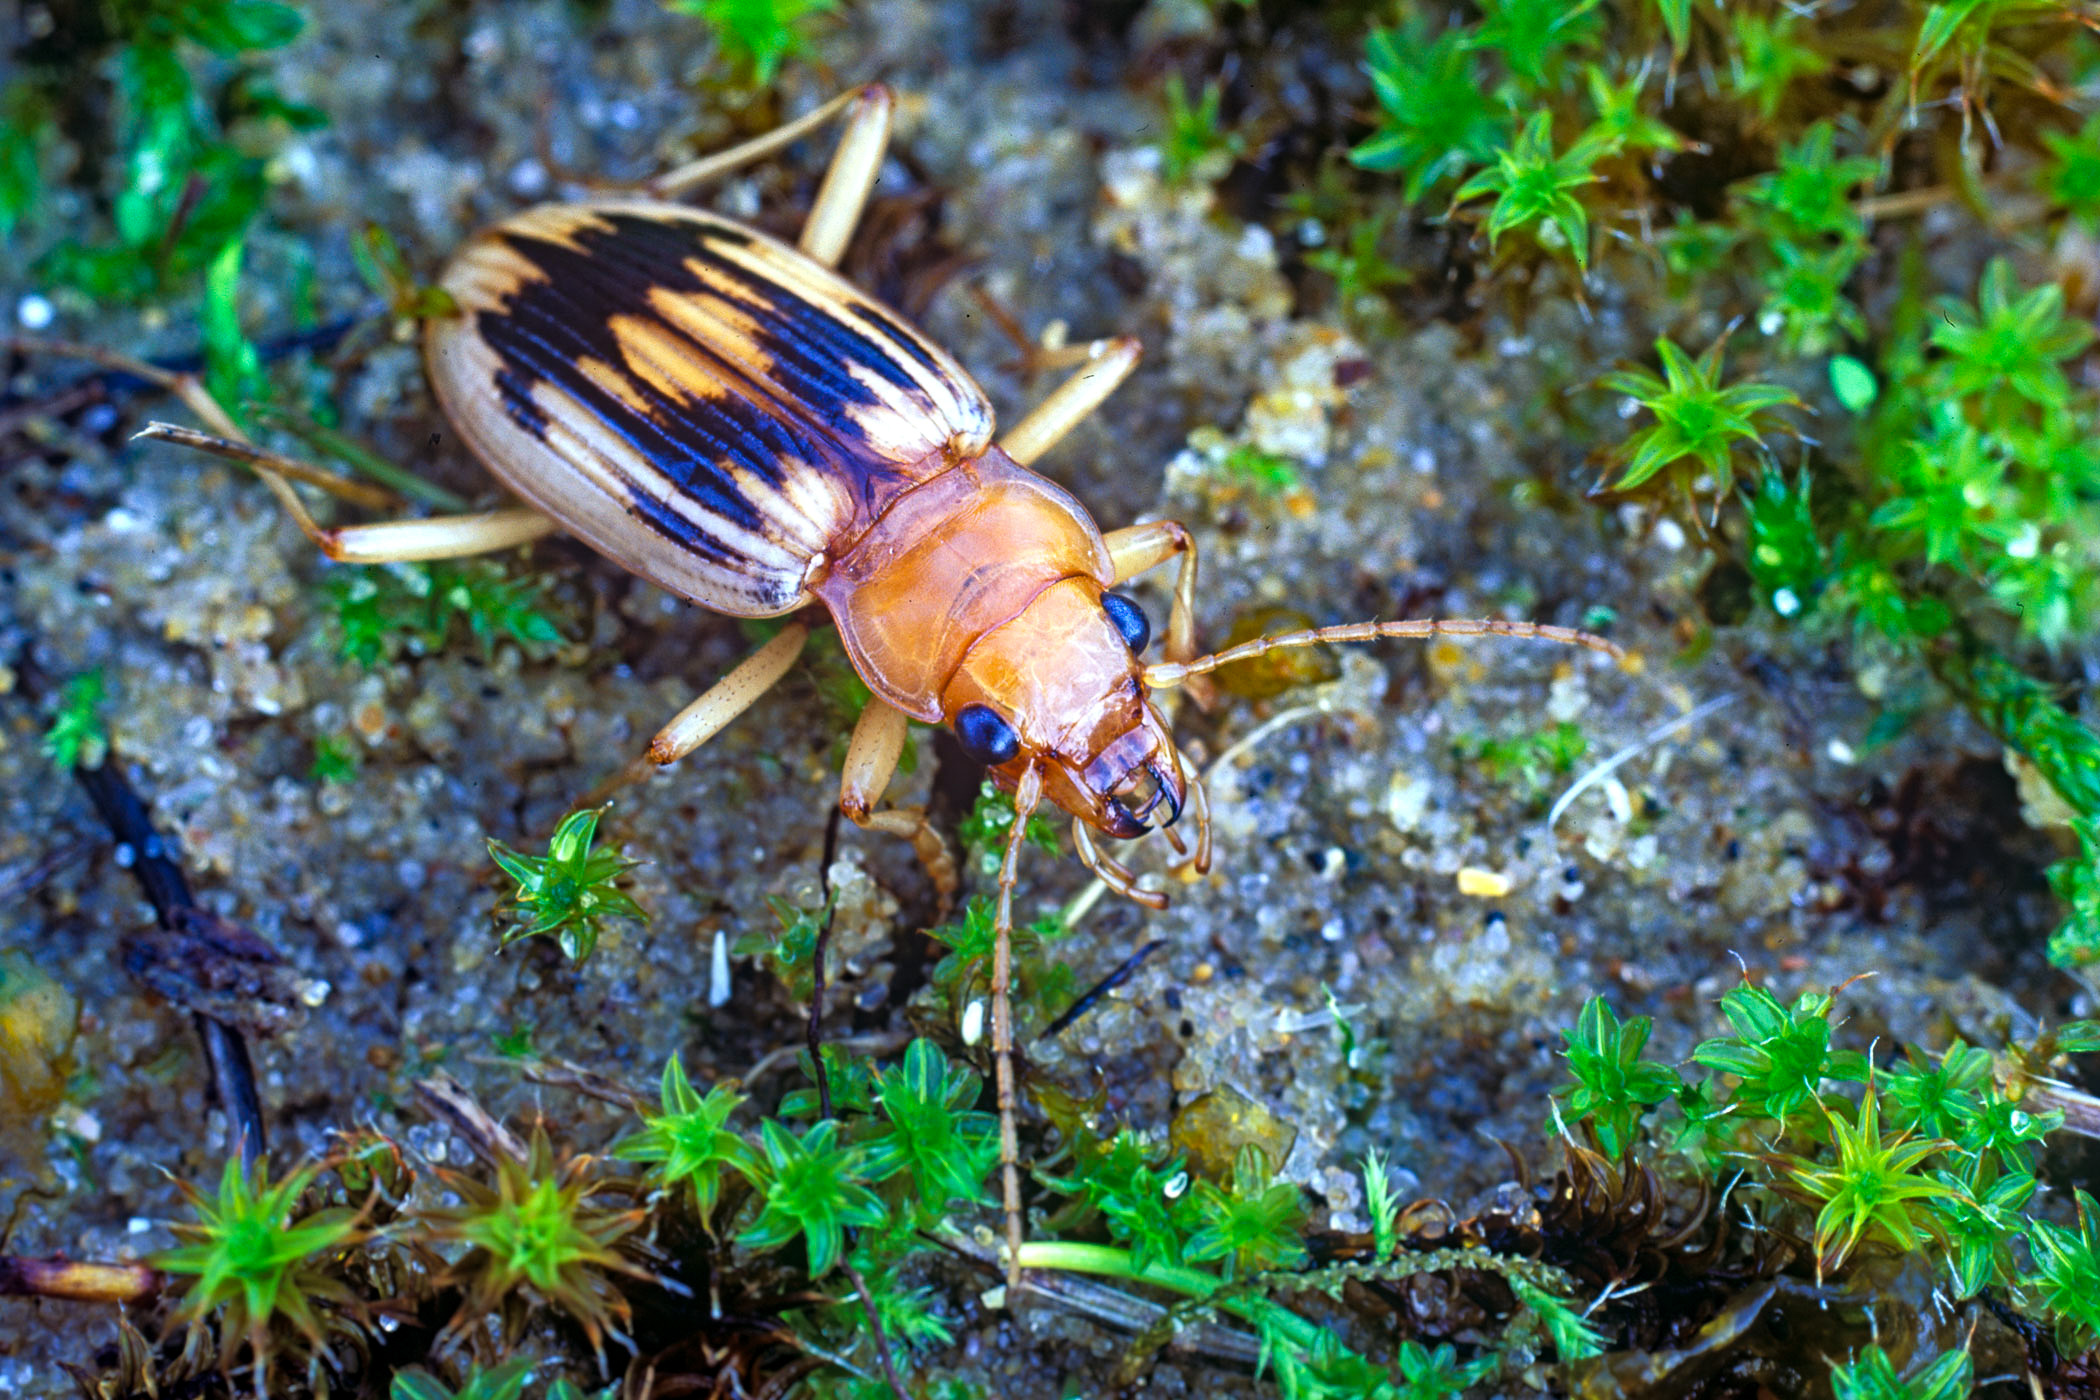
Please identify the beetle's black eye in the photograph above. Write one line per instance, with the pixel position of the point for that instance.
(986, 737)
(1129, 619)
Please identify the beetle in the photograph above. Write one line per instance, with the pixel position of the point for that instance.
(725, 416)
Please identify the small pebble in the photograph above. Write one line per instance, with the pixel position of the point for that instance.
(1482, 884)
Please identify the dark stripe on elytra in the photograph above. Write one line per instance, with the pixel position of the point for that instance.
(684, 440)
(516, 393)
(813, 350)
(543, 350)
(549, 323)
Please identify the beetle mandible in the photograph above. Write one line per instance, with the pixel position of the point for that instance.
(727, 417)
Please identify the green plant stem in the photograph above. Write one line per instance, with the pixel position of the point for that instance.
(1118, 1263)
(387, 474)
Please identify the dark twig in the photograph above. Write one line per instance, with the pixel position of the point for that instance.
(126, 375)
(154, 867)
(452, 1104)
(823, 946)
(1100, 989)
(24, 879)
(882, 1340)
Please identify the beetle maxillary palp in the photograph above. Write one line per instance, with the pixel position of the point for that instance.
(1112, 872)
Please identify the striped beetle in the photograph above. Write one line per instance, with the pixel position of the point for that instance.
(730, 419)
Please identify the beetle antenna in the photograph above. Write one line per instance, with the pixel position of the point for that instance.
(1172, 673)
(1027, 793)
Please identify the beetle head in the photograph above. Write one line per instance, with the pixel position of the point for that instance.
(1060, 685)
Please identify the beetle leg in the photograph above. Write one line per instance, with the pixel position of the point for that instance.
(388, 542)
(1027, 793)
(1136, 548)
(849, 178)
(728, 697)
(675, 182)
(1109, 363)
(705, 717)
(871, 757)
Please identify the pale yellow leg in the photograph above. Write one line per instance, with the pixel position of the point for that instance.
(693, 174)
(850, 177)
(1108, 363)
(728, 697)
(389, 542)
(1136, 548)
(871, 758)
(705, 717)
(1027, 793)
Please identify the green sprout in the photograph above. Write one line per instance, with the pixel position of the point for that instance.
(1677, 23)
(253, 1252)
(1038, 980)
(2008, 350)
(1143, 1197)
(1697, 421)
(1533, 189)
(813, 1187)
(336, 759)
(1805, 303)
(567, 892)
(1566, 1326)
(533, 1232)
(2067, 1273)
(505, 1381)
(1196, 146)
(233, 369)
(1786, 554)
(384, 610)
(1872, 1376)
(1938, 1100)
(687, 1143)
(2071, 177)
(1620, 126)
(384, 268)
(791, 951)
(1980, 1225)
(2076, 881)
(1766, 59)
(1873, 1190)
(1963, 34)
(1528, 760)
(1268, 473)
(757, 36)
(1379, 1202)
(1437, 118)
(1808, 198)
(932, 1129)
(1258, 1223)
(1534, 38)
(983, 831)
(515, 1043)
(1361, 271)
(1780, 1054)
(1614, 1087)
(1439, 1374)
(184, 192)
(77, 738)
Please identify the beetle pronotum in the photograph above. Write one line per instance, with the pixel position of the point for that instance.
(728, 418)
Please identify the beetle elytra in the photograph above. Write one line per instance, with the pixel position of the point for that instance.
(725, 416)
